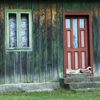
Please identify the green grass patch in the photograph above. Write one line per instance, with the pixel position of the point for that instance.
(59, 94)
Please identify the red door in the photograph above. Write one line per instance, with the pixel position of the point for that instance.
(76, 41)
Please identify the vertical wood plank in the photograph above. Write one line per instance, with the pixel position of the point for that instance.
(2, 51)
(60, 38)
(17, 67)
(12, 55)
(39, 32)
(33, 44)
(98, 25)
(8, 56)
(28, 67)
(45, 43)
(21, 78)
(11, 67)
(35, 7)
(49, 40)
(24, 66)
(28, 5)
(7, 69)
(42, 42)
(95, 35)
(54, 41)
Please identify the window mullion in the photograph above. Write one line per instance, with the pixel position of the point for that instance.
(29, 30)
(18, 30)
(30, 35)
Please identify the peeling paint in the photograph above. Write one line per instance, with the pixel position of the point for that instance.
(94, 9)
(60, 10)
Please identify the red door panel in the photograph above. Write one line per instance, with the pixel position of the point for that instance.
(76, 42)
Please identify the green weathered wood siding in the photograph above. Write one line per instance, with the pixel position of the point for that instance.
(45, 62)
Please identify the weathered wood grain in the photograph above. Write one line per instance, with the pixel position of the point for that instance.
(42, 41)
(2, 53)
(36, 41)
(33, 37)
(49, 39)
(17, 67)
(24, 66)
(45, 62)
(7, 56)
(45, 45)
(60, 38)
(54, 40)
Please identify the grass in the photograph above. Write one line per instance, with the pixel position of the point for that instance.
(59, 94)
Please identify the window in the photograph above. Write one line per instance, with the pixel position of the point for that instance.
(18, 34)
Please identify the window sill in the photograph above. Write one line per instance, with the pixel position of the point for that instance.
(19, 50)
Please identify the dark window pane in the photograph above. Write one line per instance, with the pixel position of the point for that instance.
(24, 31)
(12, 31)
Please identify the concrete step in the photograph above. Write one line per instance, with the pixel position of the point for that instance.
(86, 89)
(86, 79)
(29, 87)
(78, 85)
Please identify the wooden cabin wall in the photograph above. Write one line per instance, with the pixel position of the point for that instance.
(45, 62)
